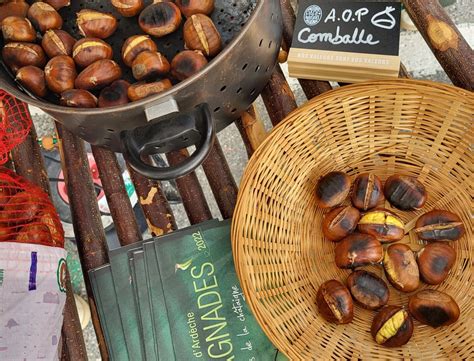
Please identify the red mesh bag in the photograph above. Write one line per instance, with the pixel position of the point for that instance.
(15, 124)
(26, 213)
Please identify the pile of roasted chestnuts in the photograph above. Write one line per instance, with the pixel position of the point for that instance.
(82, 72)
(361, 230)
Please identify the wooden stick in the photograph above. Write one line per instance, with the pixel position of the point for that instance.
(121, 209)
(403, 72)
(220, 179)
(190, 190)
(90, 235)
(158, 214)
(448, 45)
(251, 129)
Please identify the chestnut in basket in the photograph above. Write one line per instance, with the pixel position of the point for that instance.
(57, 42)
(404, 192)
(191, 7)
(401, 267)
(150, 64)
(88, 50)
(18, 55)
(332, 189)
(44, 17)
(382, 224)
(34, 233)
(33, 79)
(98, 75)
(94, 24)
(142, 90)
(160, 19)
(60, 74)
(358, 250)
(187, 63)
(200, 33)
(435, 261)
(21, 208)
(114, 95)
(334, 302)
(368, 289)
(434, 308)
(58, 4)
(439, 225)
(78, 98)
(134, 45)
(367, 191)
(392, 327)
(15, 28)
(128, 8)
(340, 222)
(13, 8)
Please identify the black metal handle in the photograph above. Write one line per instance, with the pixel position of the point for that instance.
(169, 134)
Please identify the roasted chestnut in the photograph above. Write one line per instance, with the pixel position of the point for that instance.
(200, 33)
(404, 192)
(32, 78)
(57, 42)
(367, 191)
(434, 308)
(332, 189)
(98, 75)
(15, 28)
(114, 95)
(439, 225)
(44, 17)
(34, 233)
(435, 261)
(358, 250)
(150, 64)
(128, 8)
(187, 63)
(13, 8)
(18, 55)
(160, 19)
(94, 24)
(340, 222)
(368, 289)
(134, 45)
(191, 7)
(392, 327)
(334, 302)
(58, 4)
(382, 224)
(60, 74)
(78, 98)
(401, 267)
(88, 50)
(142, 90)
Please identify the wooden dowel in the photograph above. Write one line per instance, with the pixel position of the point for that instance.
(118, 200)
(278, 97)
(194, 201)
(155, 206)
(220, 179)
(88, 229)
(403, 72)
(251, 129)
(446, 42)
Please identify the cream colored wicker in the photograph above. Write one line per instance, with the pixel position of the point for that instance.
(416, 128)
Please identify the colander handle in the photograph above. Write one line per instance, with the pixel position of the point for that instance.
(174, 133)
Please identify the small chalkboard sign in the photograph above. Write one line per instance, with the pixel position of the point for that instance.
(359, 40)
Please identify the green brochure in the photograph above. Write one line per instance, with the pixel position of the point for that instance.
(207, 313)
(107, 307)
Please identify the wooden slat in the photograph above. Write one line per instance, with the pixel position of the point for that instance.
(118, 200)
(446, 42)
(88, 229)
(252, 130)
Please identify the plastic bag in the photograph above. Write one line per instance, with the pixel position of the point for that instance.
(15, 123)
(26, 213)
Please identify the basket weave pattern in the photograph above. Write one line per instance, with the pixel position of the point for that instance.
(415, 128)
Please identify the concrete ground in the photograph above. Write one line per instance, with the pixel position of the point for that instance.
(415, 55)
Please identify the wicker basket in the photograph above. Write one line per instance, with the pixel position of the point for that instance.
(410, 127)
